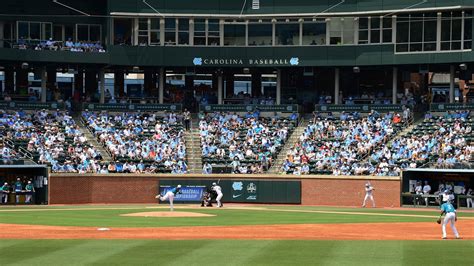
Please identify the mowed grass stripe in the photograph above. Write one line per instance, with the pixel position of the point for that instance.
(236, 252)
(364, 213)
(77, 252)
(423, 212)
(112, 218)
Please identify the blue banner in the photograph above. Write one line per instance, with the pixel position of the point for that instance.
(188, 193)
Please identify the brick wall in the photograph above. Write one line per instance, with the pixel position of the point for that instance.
(70, 189)
(349, 192)
(103, 189)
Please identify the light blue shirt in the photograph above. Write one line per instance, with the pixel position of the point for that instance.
(447, 207)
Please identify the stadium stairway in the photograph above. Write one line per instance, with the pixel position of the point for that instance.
(290, 143)
(193, 148)
(91, 139)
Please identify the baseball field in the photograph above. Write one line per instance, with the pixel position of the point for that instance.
(233, 235)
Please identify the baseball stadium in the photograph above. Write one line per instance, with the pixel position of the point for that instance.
(236, 132)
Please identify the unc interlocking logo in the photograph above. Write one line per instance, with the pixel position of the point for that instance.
(237, 186)
(294, 61)
(197, 61)
(251, 188)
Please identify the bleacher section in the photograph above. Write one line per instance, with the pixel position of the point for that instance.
(154, 142)
(139, 141)
(243, 143)
(339, 145)
(50, 138)
(442, 140)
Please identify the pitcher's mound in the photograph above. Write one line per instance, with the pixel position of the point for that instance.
(167, 214)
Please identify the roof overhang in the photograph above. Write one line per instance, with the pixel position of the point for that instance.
(296, 15)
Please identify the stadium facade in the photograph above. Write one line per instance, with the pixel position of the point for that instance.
(303, 49)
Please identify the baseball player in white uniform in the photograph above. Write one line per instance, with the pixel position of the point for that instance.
(218, 190)
(170, 196)
(426, 192)
(445, 196)
(418, 192)
(369, 190)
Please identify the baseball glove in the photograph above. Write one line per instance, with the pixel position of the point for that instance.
(438, 221)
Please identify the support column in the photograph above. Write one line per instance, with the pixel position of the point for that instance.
(78, 85)
(119, 83)
(220, 84)
(2, 35)
(148, 82)
(229, 85)
(21, 80)
(451, 83)
(189, 82)
(9, 80)
(336, 85)
(161, 88)
(278, 87)
(394, 85)
(91, 83)
(102, 86)
(51, 81)
(256, 84)
(44, 79)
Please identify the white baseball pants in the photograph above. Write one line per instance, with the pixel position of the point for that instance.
(170, 197)
(218, 199)
(450, 217)
(371, 197)
(469, 203)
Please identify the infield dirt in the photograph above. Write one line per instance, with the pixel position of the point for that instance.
(360, 231)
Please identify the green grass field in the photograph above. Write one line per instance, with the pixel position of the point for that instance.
(235, 252)
(224, 252)
(109, 216)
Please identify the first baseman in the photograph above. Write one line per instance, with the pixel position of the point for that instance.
(448, 209)
(369, 189)
(170, 195)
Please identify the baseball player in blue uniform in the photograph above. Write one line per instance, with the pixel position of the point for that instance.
(170, 195)
(18, 189)
(450, 216)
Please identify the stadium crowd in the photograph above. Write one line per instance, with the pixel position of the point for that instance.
(444, 141)
(69, 45)
(338, 146)
(140, 142)
(51, 137)
(249, 143)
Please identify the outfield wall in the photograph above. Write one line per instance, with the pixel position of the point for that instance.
(125, 188)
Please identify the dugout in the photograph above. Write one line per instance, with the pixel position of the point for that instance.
(459, 180)
(37, 174)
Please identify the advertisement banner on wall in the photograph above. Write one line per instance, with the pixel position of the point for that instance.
(188, 193)
(244, 190)
(239, 190)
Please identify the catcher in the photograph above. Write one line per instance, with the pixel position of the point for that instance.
(448, 209)
(206, 200)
